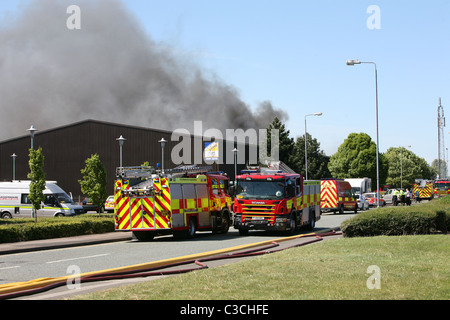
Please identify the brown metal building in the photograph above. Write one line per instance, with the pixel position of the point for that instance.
(66, 148)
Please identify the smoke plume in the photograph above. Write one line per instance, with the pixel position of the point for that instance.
(109, 70)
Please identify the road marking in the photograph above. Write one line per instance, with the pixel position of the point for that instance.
(6, 268)
(86, 257)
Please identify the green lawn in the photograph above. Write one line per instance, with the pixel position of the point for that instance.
(411, 267)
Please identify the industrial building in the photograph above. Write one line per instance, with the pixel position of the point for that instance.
(66, 149)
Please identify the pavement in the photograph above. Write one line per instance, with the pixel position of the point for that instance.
(47, 244)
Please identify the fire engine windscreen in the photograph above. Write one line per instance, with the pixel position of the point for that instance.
(260, 189)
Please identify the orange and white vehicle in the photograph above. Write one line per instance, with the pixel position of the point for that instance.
(336, 195)
(179, 201)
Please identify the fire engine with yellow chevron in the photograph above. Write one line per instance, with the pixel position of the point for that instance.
(275, 198)
(181, 201)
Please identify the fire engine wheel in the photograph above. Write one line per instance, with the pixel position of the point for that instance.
(225, 222)
(312, 219)
(190, 233)
(292, 223)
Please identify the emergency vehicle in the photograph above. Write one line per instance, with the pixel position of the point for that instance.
(336, 195)
(275, 200)
(179, 201)
(422, 189)
(14, 201)
(441, 188)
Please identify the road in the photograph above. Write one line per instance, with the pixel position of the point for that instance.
(62, 262)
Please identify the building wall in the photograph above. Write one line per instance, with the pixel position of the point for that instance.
(66, 149)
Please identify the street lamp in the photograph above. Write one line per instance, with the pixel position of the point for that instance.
(306, 148)
(352, 63)
(401, 166)
(32, 130)
(121, 141)
(14, 156)
(163, 144)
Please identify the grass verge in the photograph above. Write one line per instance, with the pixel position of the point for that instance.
(411, 267)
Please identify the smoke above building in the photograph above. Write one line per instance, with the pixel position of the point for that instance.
(109, 70)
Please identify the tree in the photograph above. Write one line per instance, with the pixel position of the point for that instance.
(414, 167)
(317, 160)
(286, 144)
(37, 180)
(356, 158)
(94, 181)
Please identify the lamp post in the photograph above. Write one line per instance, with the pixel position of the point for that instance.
(32, 130)
(14, 156)
(306, 147)
(121, 141)
(401, 166)
(352, 63)
(163, 144)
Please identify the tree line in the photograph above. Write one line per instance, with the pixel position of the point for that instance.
(355, 158)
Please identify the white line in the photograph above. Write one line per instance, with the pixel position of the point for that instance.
(5, 268)
(87, 257)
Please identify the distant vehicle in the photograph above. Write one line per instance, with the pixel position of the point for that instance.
(371, 197)
(336, 195)
(109, 204)
(388, 196)
(14, 201)
(360, 185)
(88, 205)
(363, 203)
(441, 188)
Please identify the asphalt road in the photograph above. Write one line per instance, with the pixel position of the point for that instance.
(55, 263)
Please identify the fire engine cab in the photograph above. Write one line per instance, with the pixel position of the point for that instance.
(179, 201)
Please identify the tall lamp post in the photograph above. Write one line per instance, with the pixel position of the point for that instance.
(235, 150)
(352, 63)
(306, 147)
(14, 156)
(163, 144)
(121, 141)
(32, 130)
(401, 165)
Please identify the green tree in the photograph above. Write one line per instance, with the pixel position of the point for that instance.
(412, 166)
(317, 160)
(93, 183)
(356, 158)
(286, 144)
(37, 178)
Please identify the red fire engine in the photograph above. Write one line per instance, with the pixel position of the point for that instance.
(179, 201)
(273, 199)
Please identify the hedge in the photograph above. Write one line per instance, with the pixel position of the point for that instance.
(14, 230)
(426, 218)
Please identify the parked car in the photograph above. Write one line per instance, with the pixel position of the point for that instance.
(109, 204)
(371, 197)
(363, 203)
(89, 206)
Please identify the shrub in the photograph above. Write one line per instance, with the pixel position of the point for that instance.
(15, 230)
(427, 218)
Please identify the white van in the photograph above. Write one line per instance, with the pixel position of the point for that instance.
(14, 201)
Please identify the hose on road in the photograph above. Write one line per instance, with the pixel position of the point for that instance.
(161, 270)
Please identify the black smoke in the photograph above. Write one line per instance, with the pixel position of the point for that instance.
(110, 70)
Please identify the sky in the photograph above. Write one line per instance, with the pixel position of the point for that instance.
(293, 53)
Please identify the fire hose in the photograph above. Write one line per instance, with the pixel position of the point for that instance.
(160, 270)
